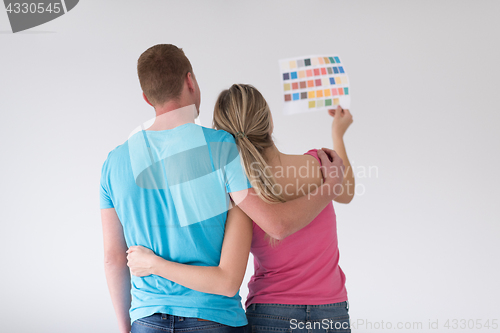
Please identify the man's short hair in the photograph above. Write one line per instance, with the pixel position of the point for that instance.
(162, 69)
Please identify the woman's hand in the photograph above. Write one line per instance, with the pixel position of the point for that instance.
(342, 119)
(140, 260)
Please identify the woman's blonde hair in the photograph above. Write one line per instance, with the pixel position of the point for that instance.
(242, 111)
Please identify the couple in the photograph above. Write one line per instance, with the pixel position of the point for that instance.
(183, 205)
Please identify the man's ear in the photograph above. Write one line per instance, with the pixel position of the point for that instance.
(146, 99)
(189, 80)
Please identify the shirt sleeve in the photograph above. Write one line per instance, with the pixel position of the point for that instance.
(314, 153)
(104, 194)
(236, 178)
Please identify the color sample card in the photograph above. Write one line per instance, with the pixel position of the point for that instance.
(314, 83)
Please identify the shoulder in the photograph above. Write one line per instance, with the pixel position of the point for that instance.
(116, 155)
(119, 150)
(222, 145)
(308, 159)
(298, 175)
(313, 153)
(217, 135)
(307, 166)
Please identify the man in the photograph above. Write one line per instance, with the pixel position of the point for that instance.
(167, 188)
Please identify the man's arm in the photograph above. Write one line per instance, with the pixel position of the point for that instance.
(342, 119)
(224, 279)
(115, 267)
(283, 219)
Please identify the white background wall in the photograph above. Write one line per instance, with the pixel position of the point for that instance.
(420, 244)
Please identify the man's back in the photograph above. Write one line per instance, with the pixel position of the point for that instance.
(170, 191)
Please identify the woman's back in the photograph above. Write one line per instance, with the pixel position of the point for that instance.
(296, 175)
(302, 268)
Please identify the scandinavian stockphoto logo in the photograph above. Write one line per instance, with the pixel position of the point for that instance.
(188, 168)
(28, 14)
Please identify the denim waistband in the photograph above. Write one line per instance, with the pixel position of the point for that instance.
(299, 306)
(166, 316)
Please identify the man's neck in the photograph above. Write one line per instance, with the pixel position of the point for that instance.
(171, 117)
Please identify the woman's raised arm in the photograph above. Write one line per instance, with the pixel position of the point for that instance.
(342, 119)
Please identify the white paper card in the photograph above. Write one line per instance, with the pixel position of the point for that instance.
(314, 83)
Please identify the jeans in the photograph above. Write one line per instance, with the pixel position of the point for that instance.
(162, 322)
(277, 318)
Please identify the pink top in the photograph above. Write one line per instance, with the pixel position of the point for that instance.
(303, 268)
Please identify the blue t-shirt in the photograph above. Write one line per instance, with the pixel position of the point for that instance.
(170, 190)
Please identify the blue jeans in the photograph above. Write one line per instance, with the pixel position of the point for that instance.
(277, 318)
(162, 322)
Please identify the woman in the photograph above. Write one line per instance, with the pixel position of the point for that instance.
(297, 282)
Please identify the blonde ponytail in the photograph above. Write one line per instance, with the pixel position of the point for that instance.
(242, 111)
(258, 171)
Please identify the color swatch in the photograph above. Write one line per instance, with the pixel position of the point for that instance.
(314, 83)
